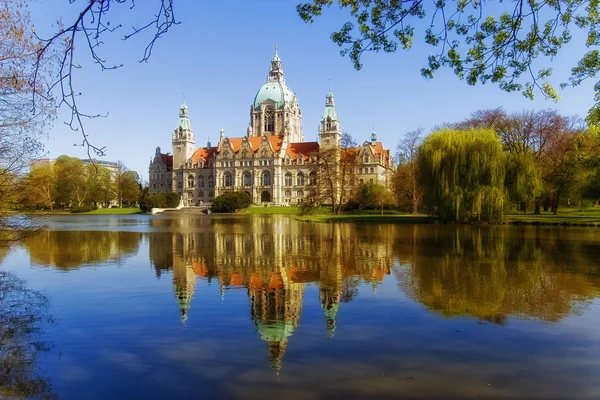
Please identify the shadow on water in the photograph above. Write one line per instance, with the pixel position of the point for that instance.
(23, 321)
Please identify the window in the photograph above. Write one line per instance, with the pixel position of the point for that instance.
(312, 178)
(227, 179)
(372, 170)
(288, 179)
(247, 179)
(269, 119)
(211, 181)
(266, 178)
(270, 162)
(211, 194)
(300, 179)
(362, 182)
(371, 180)
(288, 193)
(179, 185)
(360, 170)
(328, 124)
(154, 186)
(190, 181)
(300, 193)
(366, 158)
(200, 194)
(201, 181)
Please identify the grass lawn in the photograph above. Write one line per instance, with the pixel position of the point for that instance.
(565, 216)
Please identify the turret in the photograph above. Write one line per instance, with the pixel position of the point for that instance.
(330, 133)
(184, 141)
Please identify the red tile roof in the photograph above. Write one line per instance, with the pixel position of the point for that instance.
(167, 159)
(304, 148)
(203, 153)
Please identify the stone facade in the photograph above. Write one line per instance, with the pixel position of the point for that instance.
(272, 162)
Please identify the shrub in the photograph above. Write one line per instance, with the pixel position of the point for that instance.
(84, 208)
(229, 202)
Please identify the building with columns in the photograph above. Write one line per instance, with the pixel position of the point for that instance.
(271, 162)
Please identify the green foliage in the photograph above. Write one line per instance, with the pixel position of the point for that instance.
(231, 201)
(523, 178)
(481, 42)
(83, 209)
(375, 196)
(462, 175)
(160, 200)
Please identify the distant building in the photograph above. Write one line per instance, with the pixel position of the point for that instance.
(272, 162)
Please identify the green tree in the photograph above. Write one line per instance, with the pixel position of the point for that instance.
(71, 189)
(126, 185)
(480, 41)
(231, 201)
(99, 181)
(462, 174)
(39, 187)
(375, 196)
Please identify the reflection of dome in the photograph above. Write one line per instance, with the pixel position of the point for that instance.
(274, 331)
(275, 91)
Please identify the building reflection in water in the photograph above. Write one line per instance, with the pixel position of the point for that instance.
(273, 260)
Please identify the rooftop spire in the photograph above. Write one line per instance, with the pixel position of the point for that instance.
(276, 72)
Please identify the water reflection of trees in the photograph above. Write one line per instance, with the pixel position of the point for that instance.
(493, 272)
(70, 249)
(23, 315)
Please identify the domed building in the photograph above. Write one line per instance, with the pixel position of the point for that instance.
(271, 162)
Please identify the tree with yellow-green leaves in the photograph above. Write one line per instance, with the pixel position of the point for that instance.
(461, 173)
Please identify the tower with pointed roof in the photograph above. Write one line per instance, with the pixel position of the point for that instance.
(330, 133)
(183, 140)
(275, 109)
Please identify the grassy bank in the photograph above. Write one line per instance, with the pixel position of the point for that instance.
(565, 216)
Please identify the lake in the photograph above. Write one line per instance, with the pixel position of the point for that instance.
(191, 306)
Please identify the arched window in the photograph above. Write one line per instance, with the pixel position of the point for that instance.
(190, 182)
(154, 186)
(179, 185)
(300, 193)
(269, 119)
(288, 179)
(201, 181)
(211, 181)
(227, 179)
(312, 178)
(366, 158)
(247, 179)
(371, 180)
(328, 124)
(200, 194)
(300, 179)
(266, 178)
(372, 170)
(211, 194)
(362, 182)
(360, 170)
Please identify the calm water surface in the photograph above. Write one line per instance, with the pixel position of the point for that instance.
(183, 306)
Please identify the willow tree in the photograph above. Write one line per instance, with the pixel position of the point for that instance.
(462, 174)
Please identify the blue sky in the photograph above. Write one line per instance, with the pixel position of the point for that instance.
(219, 57)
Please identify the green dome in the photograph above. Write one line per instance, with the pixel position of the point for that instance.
(275, 91)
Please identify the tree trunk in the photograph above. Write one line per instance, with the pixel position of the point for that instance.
(537, 207)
